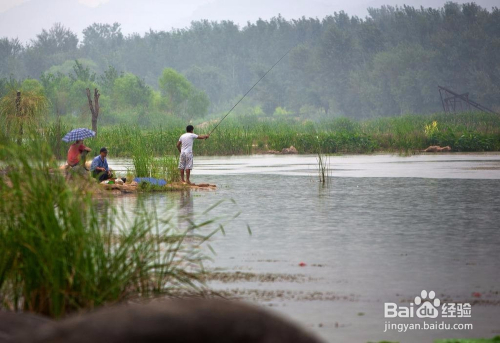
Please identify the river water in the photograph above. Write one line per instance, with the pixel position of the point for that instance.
(383, 229)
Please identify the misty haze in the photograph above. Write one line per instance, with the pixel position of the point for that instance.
(249, 171)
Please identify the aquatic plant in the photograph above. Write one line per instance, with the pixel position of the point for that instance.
(324, 172)
(170, 167)
(143, 159)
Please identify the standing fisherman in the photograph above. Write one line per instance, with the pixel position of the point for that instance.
(185, 147)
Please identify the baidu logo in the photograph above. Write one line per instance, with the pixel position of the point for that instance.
(429, 308)
(427, 305)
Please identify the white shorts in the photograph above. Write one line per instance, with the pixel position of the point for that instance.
(186, 161)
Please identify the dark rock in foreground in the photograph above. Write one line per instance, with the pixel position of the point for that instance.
(191, 320)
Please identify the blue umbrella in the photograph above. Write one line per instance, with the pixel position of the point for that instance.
(78, 134)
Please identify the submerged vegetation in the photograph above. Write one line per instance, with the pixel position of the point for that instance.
(63, 251)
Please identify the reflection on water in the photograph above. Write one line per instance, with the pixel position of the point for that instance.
(371, 239)
(185, 210)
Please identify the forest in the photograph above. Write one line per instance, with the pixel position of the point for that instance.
(389, 63)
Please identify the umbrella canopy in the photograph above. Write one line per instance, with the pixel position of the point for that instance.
(78, 134)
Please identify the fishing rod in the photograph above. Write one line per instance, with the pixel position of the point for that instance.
(243, 97)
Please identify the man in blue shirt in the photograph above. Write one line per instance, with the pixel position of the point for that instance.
(99, 167)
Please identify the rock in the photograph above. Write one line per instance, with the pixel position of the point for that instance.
(437, 148)
(204, 185)
(180, 320)
(290, 150)
(13, 324)
(178, 186)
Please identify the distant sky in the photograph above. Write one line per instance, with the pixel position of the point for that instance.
(8, 4)
(24, 19)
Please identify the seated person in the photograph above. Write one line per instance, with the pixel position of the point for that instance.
(99, 168)
(75, 150)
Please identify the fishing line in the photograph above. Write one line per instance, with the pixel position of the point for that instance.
(243, 97)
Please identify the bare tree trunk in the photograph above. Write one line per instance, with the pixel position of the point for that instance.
(94, 108)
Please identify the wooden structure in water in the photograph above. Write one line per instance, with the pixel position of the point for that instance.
(454, 102)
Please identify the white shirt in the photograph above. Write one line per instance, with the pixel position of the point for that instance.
(187, 140)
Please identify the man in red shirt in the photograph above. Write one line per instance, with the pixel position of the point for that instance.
(74, 152)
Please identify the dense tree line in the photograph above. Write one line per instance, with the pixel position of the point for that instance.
(386, 64)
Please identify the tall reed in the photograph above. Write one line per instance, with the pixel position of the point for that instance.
(242, 135)
(61, 251)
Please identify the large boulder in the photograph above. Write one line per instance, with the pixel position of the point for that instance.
(12, 324)
(180, 321)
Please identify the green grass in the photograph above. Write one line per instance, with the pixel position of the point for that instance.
(146, 164)
(62, 251)
(466, 340)
(478, 340)
(241, 135)
(471, 340)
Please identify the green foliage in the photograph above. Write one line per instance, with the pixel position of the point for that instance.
(212, 81)
(57, 88)
(22, 112)
(102, 42)
(386, 64)
(475, 141)
(52, 135)
(10, 63)
(82, 73)
(175, 87)
(108, 78)
(182, 98)
(130, 91)
(197, 105)
(33, 86)
(65, 87)
(279, 111)
(51, 47)
(86, 68)
(77, 97)
(469, 340)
